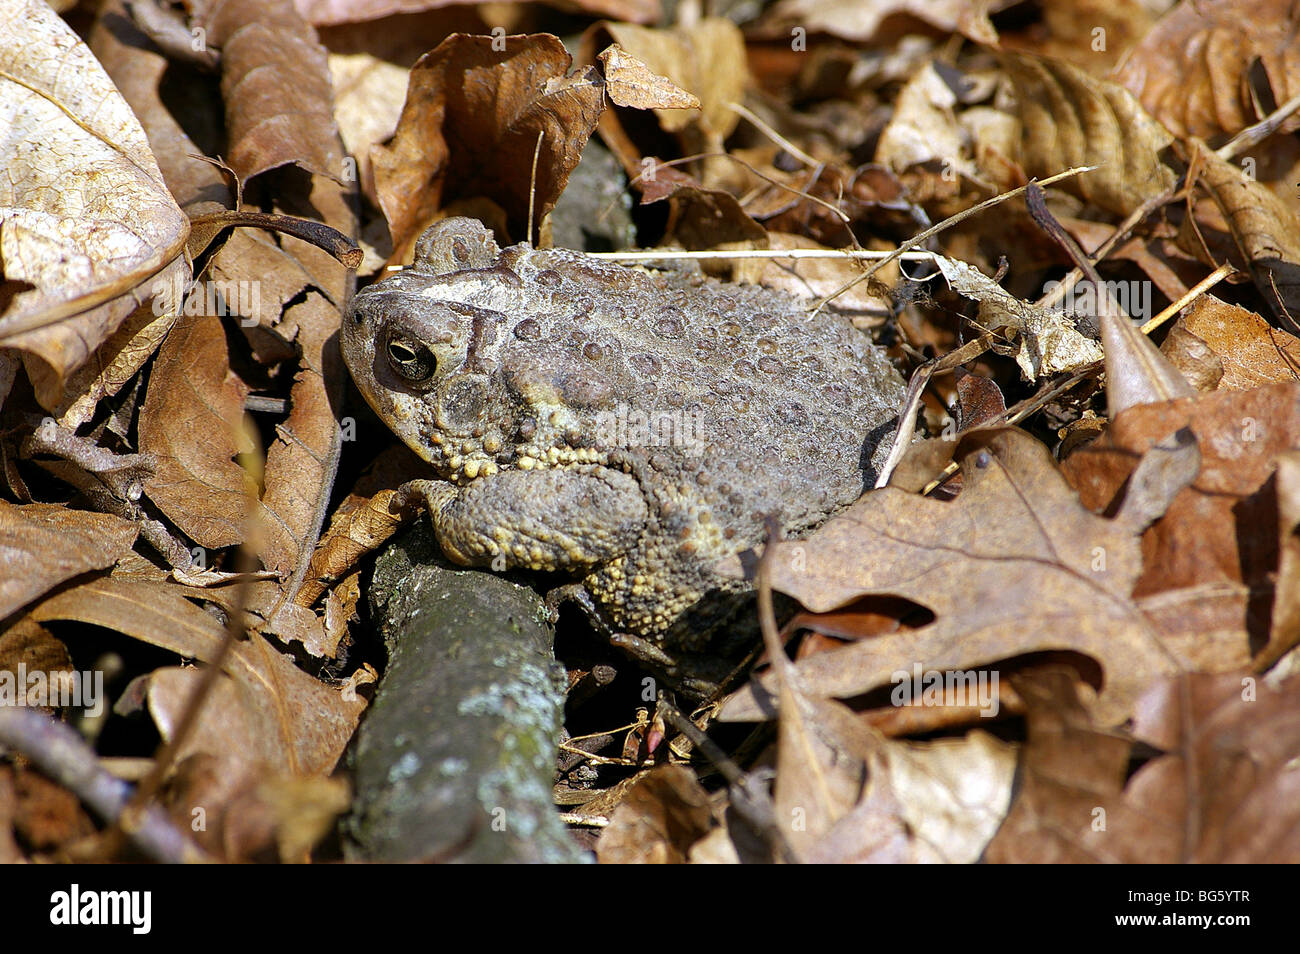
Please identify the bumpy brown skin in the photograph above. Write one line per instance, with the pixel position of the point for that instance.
(545, 362)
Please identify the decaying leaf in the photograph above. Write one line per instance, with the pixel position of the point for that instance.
(87, 219)
(1049, 342)
(471, 125)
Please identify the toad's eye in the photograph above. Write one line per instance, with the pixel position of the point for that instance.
(410, 360)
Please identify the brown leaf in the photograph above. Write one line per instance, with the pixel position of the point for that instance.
(275, 83)
(661, 816)
(189, 423)
(46, 544)
(1014, 565)
(86, 215)
(1192, 70)
(1264, 228)
(1223, 527)
(268, 712)
(1252, 353)
(300, 464)
(1069, 119)
(1225, 791)
(471, 125)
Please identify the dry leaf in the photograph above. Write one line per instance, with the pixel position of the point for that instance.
(660, 817)
(1069, 119)
(86, 215)
(268, 712)
(1225, 792)
(1223, 527)
(189, 423)
(1014, 565)
(275, 84)
(1251, 353)
(1264, 228)
(629, 82)
(1049, 343)
(471, 125)
(46, 544)
(1192, 70)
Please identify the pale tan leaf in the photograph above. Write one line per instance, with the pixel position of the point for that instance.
(1069, 119)
(86, 215)
(629, 82)
(1049, 342)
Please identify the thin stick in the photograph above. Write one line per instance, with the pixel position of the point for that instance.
(532, 184)
(1204, 285)
(765, 253)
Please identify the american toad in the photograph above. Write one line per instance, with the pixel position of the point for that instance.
(629, 428)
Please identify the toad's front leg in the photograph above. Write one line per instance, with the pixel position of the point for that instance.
(570, 519)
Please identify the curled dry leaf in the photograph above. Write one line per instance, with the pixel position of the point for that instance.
(275, 83)
(1043, 574)
(86, 215)
(471, 125)
(1069, 119)
(629, 82)
(46, 544)
(1049, 343)
(1265, 230)
(1192, 70)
